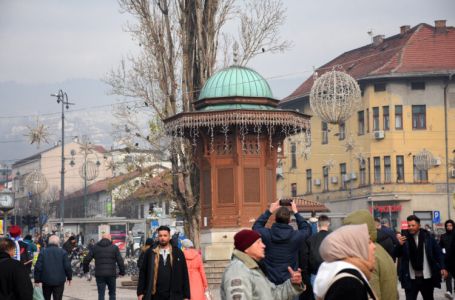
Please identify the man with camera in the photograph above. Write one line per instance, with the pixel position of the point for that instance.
(281, 240)
(422, 265)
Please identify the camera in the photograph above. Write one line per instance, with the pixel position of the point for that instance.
(285, 202)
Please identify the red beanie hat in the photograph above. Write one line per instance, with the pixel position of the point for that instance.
(245, 238)
(15, 231)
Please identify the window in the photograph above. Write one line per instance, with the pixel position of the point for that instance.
(377, 169)
(379, 87)
(362, 175)
(293, 156)
(386, 117)
(418, 85)
(398, 116)
(387, 170)
(400, 168)
(341, 131)
(325, 172)
(420, 176)
(309, 181)
(418, 117)
(343, 176)
(375, 118)
(367, 121)
(325, 133)
(294, 189)
(361, 122)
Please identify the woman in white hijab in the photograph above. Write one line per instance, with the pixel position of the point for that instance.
(348, 255)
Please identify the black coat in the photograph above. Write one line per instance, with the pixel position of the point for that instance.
(314, 258)
(349, 287)
(53, 266)
(282, 245)
(15, 284)
(434, 257)
(106, 257)
(180, 284)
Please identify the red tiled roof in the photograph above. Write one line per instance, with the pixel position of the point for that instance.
(305, 205)
(421, 50)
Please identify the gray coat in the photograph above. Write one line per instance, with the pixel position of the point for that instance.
(243, 279)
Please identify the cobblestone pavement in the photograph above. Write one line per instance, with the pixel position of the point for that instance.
(81, 289)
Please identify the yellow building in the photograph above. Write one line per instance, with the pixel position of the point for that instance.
(408, 105)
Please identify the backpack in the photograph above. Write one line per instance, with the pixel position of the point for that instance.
(347, 273)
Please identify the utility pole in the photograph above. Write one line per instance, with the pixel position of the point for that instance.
(62, 98)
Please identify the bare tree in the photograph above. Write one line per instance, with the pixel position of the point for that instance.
(179, 42)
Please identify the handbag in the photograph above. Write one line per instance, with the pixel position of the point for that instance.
(38, 293)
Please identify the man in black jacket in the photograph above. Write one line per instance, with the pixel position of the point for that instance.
(106, 257)
(282, 241)
(15, 283)
(163, 274)
(446, 243)
(52, 269)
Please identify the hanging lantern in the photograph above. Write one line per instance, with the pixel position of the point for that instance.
(335, 96)
(424, 160)
(36, 183)
(89, 170)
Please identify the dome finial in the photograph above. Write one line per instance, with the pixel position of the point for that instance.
(235, 48)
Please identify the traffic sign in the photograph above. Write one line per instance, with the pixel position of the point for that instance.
(436, 217)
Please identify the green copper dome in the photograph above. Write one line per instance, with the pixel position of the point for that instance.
(236, 81)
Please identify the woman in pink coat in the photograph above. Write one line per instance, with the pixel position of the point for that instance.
(198, 281)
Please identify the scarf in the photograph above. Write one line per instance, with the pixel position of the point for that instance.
(18, 247)
(416, 251)
(362, 264)
(346, 241)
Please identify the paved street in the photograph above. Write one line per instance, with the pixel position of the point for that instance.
(84, 290)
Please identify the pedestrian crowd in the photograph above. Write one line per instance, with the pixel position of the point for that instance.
(292, 259)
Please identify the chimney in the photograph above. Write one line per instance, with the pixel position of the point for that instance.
(440, 26)
(378, 39)
(404, 29)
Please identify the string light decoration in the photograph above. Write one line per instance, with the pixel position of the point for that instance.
(335, 96)
(424, 160)
(36, 183)
(38, 134)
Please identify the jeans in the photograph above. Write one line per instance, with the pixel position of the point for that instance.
(53, 290)
(424, 286)
(449, 283)
(101, 282)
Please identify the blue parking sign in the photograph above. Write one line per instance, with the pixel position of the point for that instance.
(436, 217)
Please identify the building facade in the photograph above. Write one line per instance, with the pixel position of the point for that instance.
(369, 162)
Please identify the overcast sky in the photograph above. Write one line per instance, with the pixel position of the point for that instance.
(51, 44)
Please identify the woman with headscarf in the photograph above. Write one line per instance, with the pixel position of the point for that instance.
(348, 255)
(198, 281)
(148, 243)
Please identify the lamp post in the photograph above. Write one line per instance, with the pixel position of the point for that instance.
(62, 98)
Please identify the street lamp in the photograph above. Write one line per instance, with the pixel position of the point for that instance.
(62, 98)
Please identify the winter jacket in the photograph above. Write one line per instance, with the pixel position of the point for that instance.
(198, 281)
(383, 279)
(314, 258)
(15, 284)
(282, 245)
(244, 279)
(180, 286)
(434, 257)
(349, 287)
(53, 266)
(445, 242)
(106, 257)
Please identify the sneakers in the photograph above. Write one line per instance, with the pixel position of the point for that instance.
(448, 295)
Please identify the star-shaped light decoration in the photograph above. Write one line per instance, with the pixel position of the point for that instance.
(350, 144)
(38, 134)
(330, 163)
(361, 158)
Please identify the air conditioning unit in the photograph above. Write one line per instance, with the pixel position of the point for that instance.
(353, 175)
(452, 173)
(436, 161)
(345, 178)
(379, 135)
(317, 182)
(334, 179)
